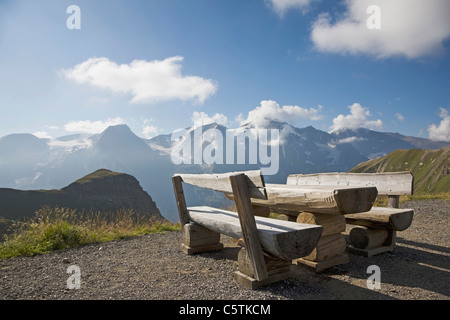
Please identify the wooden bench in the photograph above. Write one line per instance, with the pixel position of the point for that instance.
(377, 228)
(269, 245)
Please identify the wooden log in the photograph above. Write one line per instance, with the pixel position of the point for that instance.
(221, 182)
(284, 239)
(365, 238)
(261, 211)
(252, 284)
(181, 201)
(380, 217)
(291, 199)
(328, 247)
(195, 235)
(393, 201)
(320, 266)
(273, 265)
(387, 183)
(331, 223)
(248, 225)
(370, 252)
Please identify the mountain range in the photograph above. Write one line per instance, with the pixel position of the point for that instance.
(30, 163)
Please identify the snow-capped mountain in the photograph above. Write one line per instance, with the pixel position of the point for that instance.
(28, 162)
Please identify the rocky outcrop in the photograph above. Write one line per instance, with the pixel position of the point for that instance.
(102, 190)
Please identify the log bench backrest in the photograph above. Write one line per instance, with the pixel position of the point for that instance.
(221, 182)
(392, 184)
(388, 183)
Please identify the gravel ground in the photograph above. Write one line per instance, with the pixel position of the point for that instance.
(154, 268)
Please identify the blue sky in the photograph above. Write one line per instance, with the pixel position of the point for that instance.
(160, 65)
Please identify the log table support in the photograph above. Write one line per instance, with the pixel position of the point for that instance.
(331, 248)
(368, 242)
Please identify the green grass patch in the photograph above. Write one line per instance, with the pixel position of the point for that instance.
(61, 228)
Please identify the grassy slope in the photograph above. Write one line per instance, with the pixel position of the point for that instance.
(430, 168)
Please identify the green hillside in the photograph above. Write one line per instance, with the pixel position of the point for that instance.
(430, 168)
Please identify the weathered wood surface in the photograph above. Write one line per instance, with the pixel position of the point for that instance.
(393, 201)
(388, 183)
(379, 217)
(331, 223)
(284, 239)
(367, 238)
(221, 182)
(328, 247)
(320, 266)
(248, 225)
(181, 201)
(194, 235)
(273, 265)
(291, 199)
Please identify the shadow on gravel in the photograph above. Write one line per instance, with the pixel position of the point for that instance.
(412, 265)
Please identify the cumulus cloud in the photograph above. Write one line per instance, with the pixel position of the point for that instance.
(281, 6)
(271, 110)
(91, 127)
(442, 131)
(358, 118)
(42, 135)
(201, 118)
(145, 81)
(149, 131)
(409, 28)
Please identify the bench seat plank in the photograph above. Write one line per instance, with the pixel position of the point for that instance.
(221, 182)
(284, 239)
(381, 217)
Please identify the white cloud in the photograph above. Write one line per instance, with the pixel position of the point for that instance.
(146, 81)
(400, 117)
(358, 118)
(201, 118)
(91, 127)
(410, 28)
(271, 110)
(281, 6)
(350, 139)
(442, 131)
(149, 131)
(42, 135)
